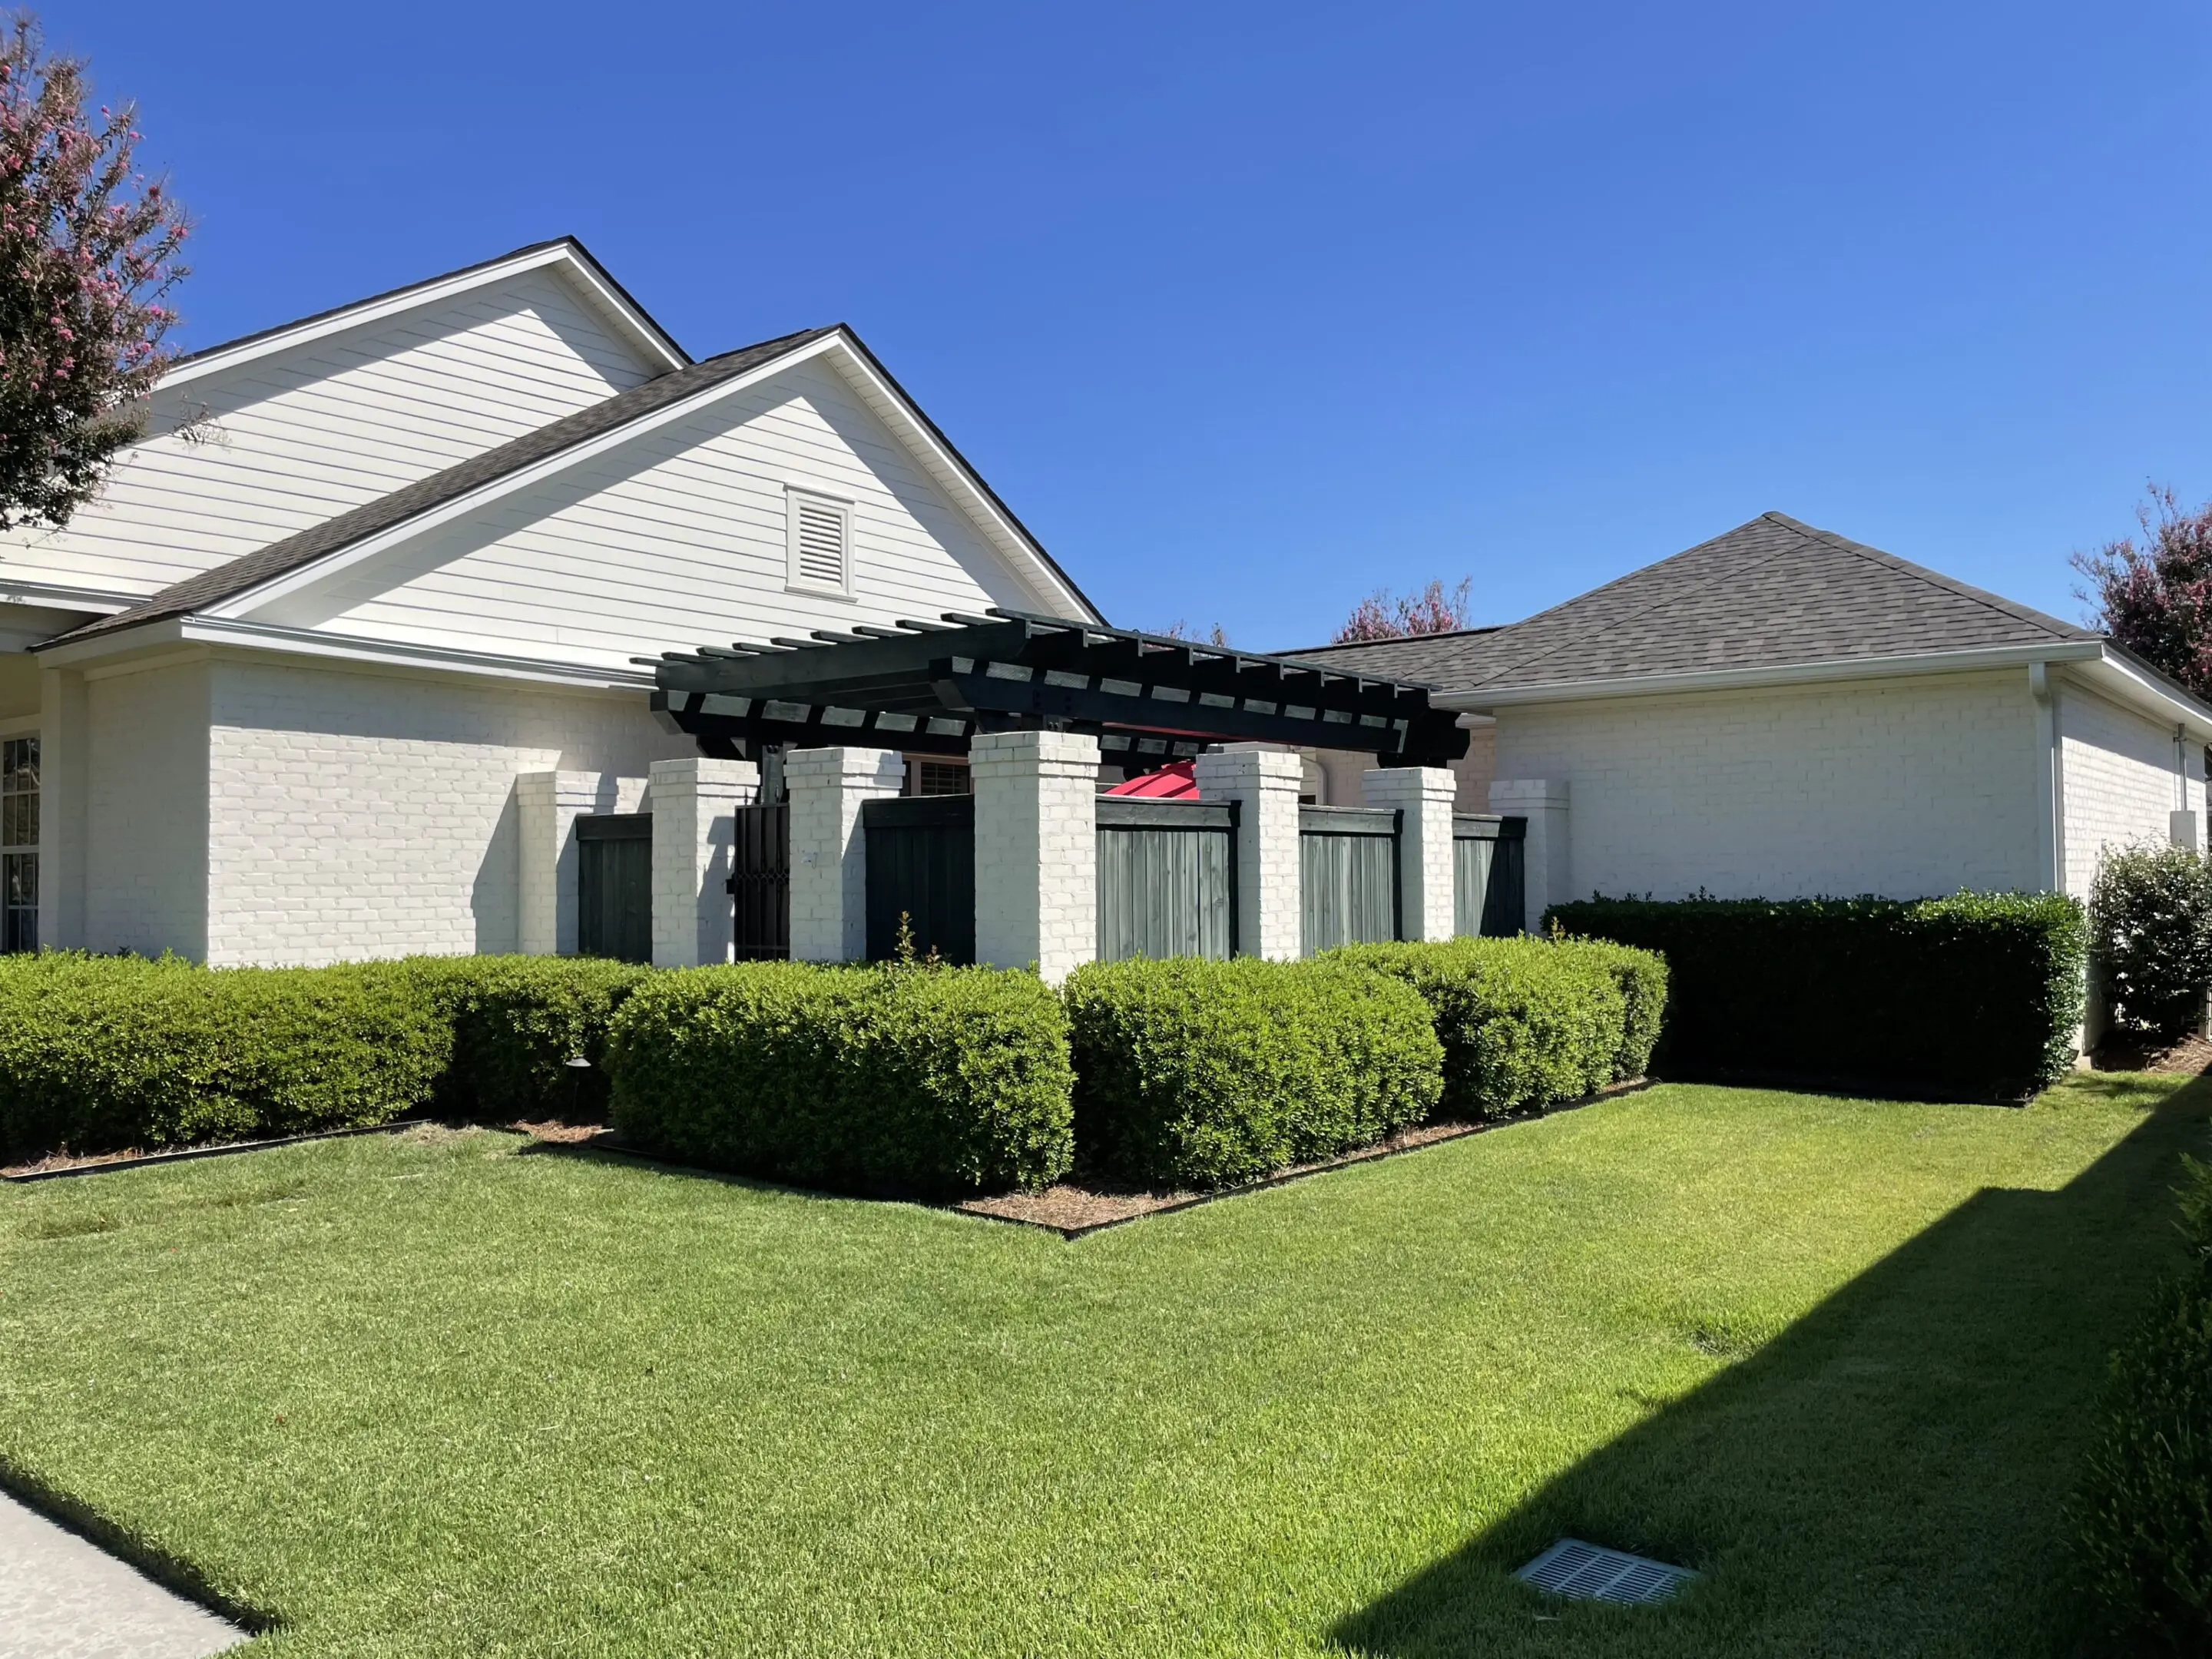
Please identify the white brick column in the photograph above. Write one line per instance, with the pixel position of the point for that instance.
(829, 852)
(1543, 802)
(1425, 795)
(1036, 849)
(546, 808)
(694, 829)
(1264, 782)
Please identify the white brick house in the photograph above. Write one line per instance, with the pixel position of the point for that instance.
(1780, 712)
(348, 639)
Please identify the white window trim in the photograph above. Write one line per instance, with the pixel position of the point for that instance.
(792, 580)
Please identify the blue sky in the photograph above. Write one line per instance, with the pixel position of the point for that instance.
(1248, 310)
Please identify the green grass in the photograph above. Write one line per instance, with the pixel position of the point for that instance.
(435, 1395)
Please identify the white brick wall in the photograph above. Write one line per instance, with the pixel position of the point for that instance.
(1036, 849)
(145, 834)
(1905, 787)
(2120, 778)
(354, 814)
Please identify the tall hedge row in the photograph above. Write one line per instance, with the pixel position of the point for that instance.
(931, 1081)
(1976, 994)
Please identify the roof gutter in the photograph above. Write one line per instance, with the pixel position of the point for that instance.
(1482, 701)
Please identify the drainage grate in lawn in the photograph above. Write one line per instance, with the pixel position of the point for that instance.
(1590, 1573)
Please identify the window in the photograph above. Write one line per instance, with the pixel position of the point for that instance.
(819, 534)
(19, 844)
(936, 777)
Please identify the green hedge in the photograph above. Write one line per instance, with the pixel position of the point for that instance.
(102, 1053)
(1976, 994)
(1201, 1073)
(2143, 1518)
(930, 1081)
(517, 1022)
(1526, 1021)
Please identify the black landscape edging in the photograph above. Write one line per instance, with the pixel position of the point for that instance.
(187, 1154)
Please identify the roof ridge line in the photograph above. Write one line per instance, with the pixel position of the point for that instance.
(1610, 623)
(1934, 577)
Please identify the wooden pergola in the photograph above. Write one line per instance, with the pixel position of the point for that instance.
(929, 687)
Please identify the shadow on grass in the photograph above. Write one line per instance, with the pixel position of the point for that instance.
(1885, 1477)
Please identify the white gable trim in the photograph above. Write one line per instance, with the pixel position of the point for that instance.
(1030, 567)
(647, 336)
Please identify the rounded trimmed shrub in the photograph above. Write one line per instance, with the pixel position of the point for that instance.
(1205, 1074)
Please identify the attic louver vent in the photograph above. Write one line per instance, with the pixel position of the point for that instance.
(818, 555)
(1590, 1573)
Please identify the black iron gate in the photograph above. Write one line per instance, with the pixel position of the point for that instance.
(614, 886)
(921, 866)
(760, 883)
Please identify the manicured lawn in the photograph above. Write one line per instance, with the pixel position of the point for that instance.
(440, 1395)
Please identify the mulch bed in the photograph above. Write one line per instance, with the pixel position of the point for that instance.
(2124, 1052)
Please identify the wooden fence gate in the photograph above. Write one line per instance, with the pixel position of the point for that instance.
(760, 883)
(1167, 878)
(614, 886)
(921, 866)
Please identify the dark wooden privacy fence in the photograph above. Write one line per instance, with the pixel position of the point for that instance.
(1348, 865)
(1487, 865)
(921, 864)
(1167, 878)
(614, 886)
(760, 883)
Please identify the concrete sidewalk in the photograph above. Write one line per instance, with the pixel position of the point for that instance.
(61, 1598)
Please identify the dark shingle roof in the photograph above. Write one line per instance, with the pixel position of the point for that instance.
(1769, 594)
(281, 558)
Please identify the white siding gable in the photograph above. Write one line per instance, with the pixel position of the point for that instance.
(679, 538)
(300, 434)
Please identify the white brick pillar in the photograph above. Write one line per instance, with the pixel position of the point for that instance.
(1425, 795)
(694, 801)
(547, 805)
(828, 851)
(1264, 783)
(1036, 849)
(1543, 802)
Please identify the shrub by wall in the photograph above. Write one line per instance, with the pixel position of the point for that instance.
(933, 1081)
(1203, 1073)
(1976, 994)
(2143, 1518)
(2150, 933)
(1526, 1021)
(101, 1053)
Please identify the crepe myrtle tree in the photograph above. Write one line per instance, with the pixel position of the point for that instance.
(1432, 610)
(2154, 597)
(88, 260)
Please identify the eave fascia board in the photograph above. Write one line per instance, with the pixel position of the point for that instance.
(242, 606)
(643, 329)
(2113, 672)
(1806, 674)
(60, 595)
(170, 632)
(977, 500)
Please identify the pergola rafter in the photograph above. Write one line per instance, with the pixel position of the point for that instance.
(929, 687)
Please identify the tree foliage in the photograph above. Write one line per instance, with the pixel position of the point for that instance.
(1434, 610)
(87, 258)
(2155, 598)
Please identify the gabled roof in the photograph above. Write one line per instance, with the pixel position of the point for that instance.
(604, 419)
(564, 251)
(1769, 594)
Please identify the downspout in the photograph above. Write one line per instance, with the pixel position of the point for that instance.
(2049, 782)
